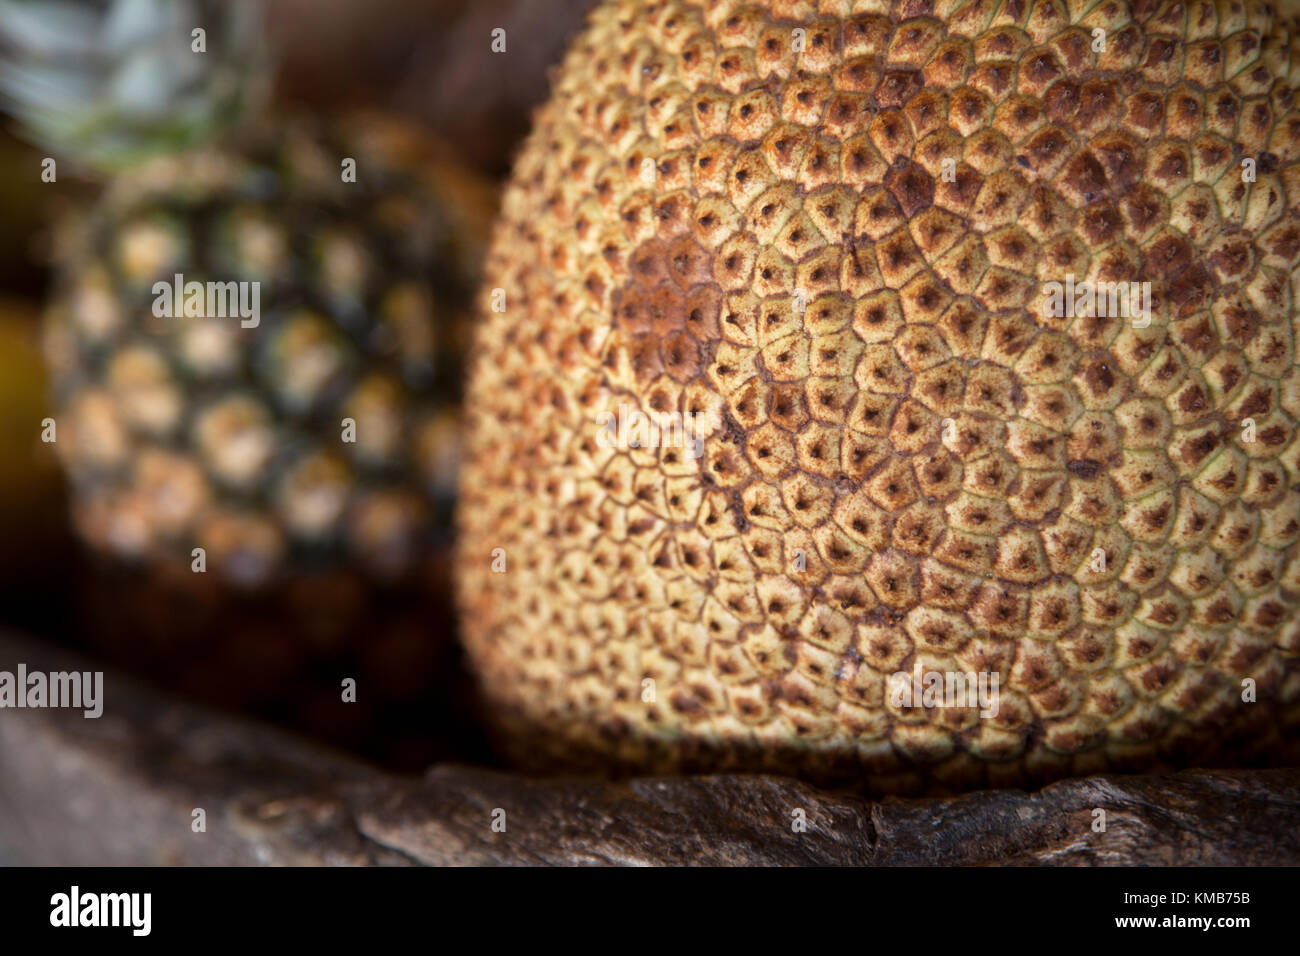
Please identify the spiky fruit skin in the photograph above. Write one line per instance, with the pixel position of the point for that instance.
(310, 454)
(922, 466)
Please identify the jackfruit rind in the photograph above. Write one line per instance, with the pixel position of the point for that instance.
(826, 237)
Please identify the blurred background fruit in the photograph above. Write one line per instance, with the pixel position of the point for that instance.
(325, 560)
(181, 433)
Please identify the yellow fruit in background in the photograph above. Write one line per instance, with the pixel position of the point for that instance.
(835, 244)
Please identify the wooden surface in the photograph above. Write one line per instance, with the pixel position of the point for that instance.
(122, 790)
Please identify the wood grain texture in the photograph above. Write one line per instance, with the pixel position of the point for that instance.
(122, 790)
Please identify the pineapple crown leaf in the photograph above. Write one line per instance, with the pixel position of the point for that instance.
(110, 83)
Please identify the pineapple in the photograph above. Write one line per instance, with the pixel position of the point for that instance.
(217, 433)
(263, 464)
